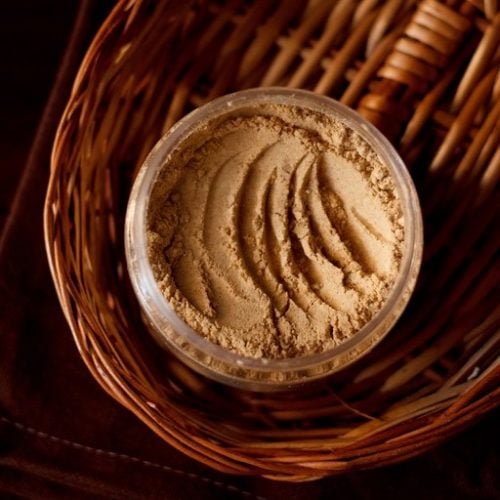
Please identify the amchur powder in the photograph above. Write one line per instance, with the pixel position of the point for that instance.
(275, 231)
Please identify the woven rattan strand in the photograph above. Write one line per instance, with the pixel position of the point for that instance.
(427, 74)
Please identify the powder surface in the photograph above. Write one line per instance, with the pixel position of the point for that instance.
(275, 232)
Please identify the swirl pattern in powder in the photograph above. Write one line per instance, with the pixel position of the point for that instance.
(275, 232)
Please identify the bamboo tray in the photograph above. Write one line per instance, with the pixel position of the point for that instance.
(427, 74)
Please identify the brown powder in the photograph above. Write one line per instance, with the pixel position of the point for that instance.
(275, 232)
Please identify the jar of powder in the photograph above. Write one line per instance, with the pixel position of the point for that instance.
(273, 237)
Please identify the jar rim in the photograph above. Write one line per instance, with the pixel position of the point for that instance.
(252, 372)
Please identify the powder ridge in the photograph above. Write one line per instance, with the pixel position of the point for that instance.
(275, 232)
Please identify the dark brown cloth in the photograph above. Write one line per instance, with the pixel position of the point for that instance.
(61, 436)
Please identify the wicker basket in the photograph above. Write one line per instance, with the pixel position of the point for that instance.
(427, 74)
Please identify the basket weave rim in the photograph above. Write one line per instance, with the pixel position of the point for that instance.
(378, 443)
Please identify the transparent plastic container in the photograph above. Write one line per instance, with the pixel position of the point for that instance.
(217, 362)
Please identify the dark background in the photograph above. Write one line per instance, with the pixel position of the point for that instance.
(60, 435)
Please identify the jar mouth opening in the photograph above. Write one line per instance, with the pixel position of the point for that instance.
(157, 307)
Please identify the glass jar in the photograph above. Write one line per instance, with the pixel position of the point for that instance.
(218, 362)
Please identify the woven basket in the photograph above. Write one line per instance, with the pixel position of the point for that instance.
(427, 74)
